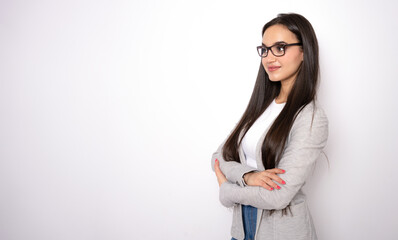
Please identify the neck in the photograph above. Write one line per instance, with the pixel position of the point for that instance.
(286, 86)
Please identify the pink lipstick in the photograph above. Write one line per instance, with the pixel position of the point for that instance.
(273, 68)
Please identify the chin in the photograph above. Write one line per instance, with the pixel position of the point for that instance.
(273, 79)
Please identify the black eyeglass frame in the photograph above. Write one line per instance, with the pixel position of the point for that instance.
(280, 44)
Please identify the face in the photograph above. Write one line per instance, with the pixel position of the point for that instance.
(284, 68)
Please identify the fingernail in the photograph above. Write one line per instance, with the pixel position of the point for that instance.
(283, 182)
(278, 187)
(283, 171)
(271, 189)
(216, 159)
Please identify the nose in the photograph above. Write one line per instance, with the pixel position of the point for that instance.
(270, 57)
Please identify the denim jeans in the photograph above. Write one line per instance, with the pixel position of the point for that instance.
(249, 215)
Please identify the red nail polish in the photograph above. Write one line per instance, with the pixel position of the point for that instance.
(271, 189)
(216, 159)
(278, 187)
(283, 182)
(283, 171)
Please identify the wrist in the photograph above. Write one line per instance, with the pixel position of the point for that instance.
(246, 177)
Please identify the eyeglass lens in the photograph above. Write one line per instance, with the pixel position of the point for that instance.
(277, 50)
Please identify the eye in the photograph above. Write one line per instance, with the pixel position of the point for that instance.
(263, 51)
(280, 48)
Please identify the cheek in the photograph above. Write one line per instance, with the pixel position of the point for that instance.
(295, 62)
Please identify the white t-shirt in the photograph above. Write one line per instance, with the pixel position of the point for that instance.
(249, 142)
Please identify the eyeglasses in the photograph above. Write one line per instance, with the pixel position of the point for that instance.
(278, 49)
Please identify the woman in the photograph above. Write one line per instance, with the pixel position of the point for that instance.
(264, 163)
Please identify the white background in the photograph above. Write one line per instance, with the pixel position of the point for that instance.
(110, 111)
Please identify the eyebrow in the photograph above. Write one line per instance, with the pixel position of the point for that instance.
(279, 42)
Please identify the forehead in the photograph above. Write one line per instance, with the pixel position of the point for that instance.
(278, 33)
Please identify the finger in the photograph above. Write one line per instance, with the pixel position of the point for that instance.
(263, 183)
(217, 166)
(274, 177)
(277, 178)
(266, 186)
(276, 170)
(218, 170)
(272, 183)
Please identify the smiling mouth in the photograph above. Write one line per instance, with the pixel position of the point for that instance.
(273, 68)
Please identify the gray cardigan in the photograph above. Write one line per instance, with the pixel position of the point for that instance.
(307, 138)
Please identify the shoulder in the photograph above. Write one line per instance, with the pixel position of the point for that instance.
(313, 111)
(312, 118)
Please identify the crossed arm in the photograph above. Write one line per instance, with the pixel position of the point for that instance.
(308, 137)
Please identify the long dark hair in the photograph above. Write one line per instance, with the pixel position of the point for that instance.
(265, 91)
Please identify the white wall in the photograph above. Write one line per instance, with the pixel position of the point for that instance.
(110, 111)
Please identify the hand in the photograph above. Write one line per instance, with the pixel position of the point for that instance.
(220, 176)
(264, 178)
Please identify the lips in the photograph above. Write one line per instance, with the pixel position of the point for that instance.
(273, 68)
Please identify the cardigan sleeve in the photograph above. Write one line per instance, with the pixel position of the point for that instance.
(232, 170)
(307, 138)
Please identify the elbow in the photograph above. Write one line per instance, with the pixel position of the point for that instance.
(225, 202)
(224, 195)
